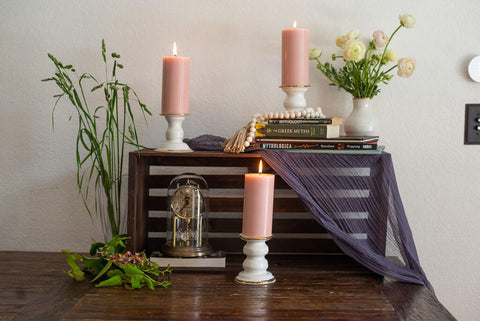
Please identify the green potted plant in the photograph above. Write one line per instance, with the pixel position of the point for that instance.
(102, 134)
(364, 68)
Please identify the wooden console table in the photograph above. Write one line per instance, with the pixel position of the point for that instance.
(34, 287)
(319, 284)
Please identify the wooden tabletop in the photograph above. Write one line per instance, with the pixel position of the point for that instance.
(33, 286)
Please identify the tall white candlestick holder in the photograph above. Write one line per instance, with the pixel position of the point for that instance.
(295, 100)
(255, 265)
(174, 135)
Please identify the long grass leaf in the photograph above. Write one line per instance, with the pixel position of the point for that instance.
(99, 155)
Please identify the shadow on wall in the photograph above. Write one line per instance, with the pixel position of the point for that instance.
(36, 216)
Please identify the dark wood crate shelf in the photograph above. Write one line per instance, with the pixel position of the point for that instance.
(295, 231)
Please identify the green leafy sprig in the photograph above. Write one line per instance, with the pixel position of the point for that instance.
(113, 266)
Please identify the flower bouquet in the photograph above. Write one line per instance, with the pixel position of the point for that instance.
(364, 68)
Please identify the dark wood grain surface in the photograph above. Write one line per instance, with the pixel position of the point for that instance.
(33, 286)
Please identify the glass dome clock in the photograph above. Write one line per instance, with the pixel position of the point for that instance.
(187, 219)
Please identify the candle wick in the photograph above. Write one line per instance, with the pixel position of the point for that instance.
(174, 48)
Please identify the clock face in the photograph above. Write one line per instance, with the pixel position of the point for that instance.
(187, 202)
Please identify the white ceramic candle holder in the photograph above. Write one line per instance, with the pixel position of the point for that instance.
(295, 100)
(174, 135)
(255, 265)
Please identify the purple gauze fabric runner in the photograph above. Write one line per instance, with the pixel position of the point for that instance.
(338, 188)
(315, 178)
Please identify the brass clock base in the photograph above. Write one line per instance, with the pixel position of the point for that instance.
(186, 251)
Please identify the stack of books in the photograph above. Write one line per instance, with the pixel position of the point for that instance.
(312, 134)
(215, 259)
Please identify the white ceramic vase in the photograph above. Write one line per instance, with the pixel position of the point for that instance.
(362, 120)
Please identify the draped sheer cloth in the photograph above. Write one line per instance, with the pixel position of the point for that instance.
(356, 199)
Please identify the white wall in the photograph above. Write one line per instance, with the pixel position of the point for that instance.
(235, 52)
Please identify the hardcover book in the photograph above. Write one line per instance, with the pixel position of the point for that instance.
(321, 146)
(216, 259)
(336, 140)
(325, 121)
(377, 151)
(297, 131)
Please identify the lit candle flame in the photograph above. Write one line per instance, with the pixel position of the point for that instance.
(295, 23)
(174, 48)
(260, 167)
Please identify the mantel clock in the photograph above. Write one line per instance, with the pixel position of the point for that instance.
(187, 222)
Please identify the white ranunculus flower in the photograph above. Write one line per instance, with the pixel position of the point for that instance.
(341, 41)
(354, 50)
(406, 66)
(407, 20)
(353, 34)
(390, 55)
(314, 53)
(380, 39)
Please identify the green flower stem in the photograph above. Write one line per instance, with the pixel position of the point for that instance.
(356, 77)
(386, 72)
(376, 78)
(330, 75)
(367, 71)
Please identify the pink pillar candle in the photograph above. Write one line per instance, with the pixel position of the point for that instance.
(175, 89)
(258, 205)
(295, 57)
